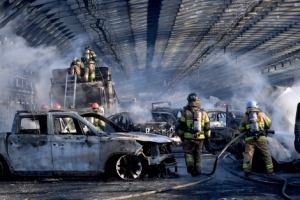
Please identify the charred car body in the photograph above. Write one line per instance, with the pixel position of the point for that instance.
(224, 127)
(223, 104)
(161, 123)
(47, 143)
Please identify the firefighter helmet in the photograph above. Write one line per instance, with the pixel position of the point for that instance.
(192, 97)
(57, 106)
(44, 107)
(95, 106)
(251, 104)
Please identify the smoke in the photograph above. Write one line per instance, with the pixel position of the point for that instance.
(15, 55)
(246, 83)
(22, 64)
(285, 106)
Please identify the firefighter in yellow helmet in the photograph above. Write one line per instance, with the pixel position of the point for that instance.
(89, 60)
(194, 127)
(97, 122)
(256, 123)
(75, 67)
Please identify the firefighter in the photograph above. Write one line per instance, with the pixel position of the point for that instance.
(256, 123)
(57, 106)
(97, 122)
(75, 67)
(194, 127)
(44, 107)
(89, 59)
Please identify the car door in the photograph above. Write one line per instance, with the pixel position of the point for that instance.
(221, 117)
(213, 118)
(29, 149)
(75, 148)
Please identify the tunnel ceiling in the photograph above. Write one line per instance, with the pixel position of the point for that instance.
(169, 41)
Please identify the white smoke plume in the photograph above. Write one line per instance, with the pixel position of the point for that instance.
(16, 56)
(240, 73)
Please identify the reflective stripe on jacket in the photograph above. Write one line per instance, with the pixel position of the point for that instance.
(186, 122)
(263, 122)
(92, 58)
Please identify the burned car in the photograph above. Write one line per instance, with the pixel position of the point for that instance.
(56, 143)
(161, 123)
(223, 104)
(165, 106)
(224, 127)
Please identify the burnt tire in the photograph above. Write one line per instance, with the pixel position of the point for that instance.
(1, 170)
(4, 171)
(128, 167)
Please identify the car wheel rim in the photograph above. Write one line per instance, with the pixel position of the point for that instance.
(128, 167)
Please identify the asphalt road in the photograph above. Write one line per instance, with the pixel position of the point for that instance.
(226, 183)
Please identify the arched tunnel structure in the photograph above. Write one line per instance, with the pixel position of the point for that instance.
(221, 48)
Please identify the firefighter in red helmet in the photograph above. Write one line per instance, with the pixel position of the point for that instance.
(44, 107)
(97, 122)
(95, 106)
(57, 106)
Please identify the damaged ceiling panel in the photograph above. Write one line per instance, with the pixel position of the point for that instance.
(155, 45)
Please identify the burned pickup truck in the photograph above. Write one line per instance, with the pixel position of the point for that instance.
(62, 143)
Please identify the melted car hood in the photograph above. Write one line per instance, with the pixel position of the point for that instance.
(144, 137)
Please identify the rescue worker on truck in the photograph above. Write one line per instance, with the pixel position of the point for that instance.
(256, 123)
(89, 59)
(194, 127)
(75, 67)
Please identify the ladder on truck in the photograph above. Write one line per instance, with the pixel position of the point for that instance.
(70, 90)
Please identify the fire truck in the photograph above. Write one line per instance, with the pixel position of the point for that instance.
(70, 93)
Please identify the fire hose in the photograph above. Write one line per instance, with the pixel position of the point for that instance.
(211, 177)
(277, 180)
(224, 149)
(186, 185)
(251, 179)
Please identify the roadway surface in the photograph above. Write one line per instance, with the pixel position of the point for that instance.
(227, 183)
